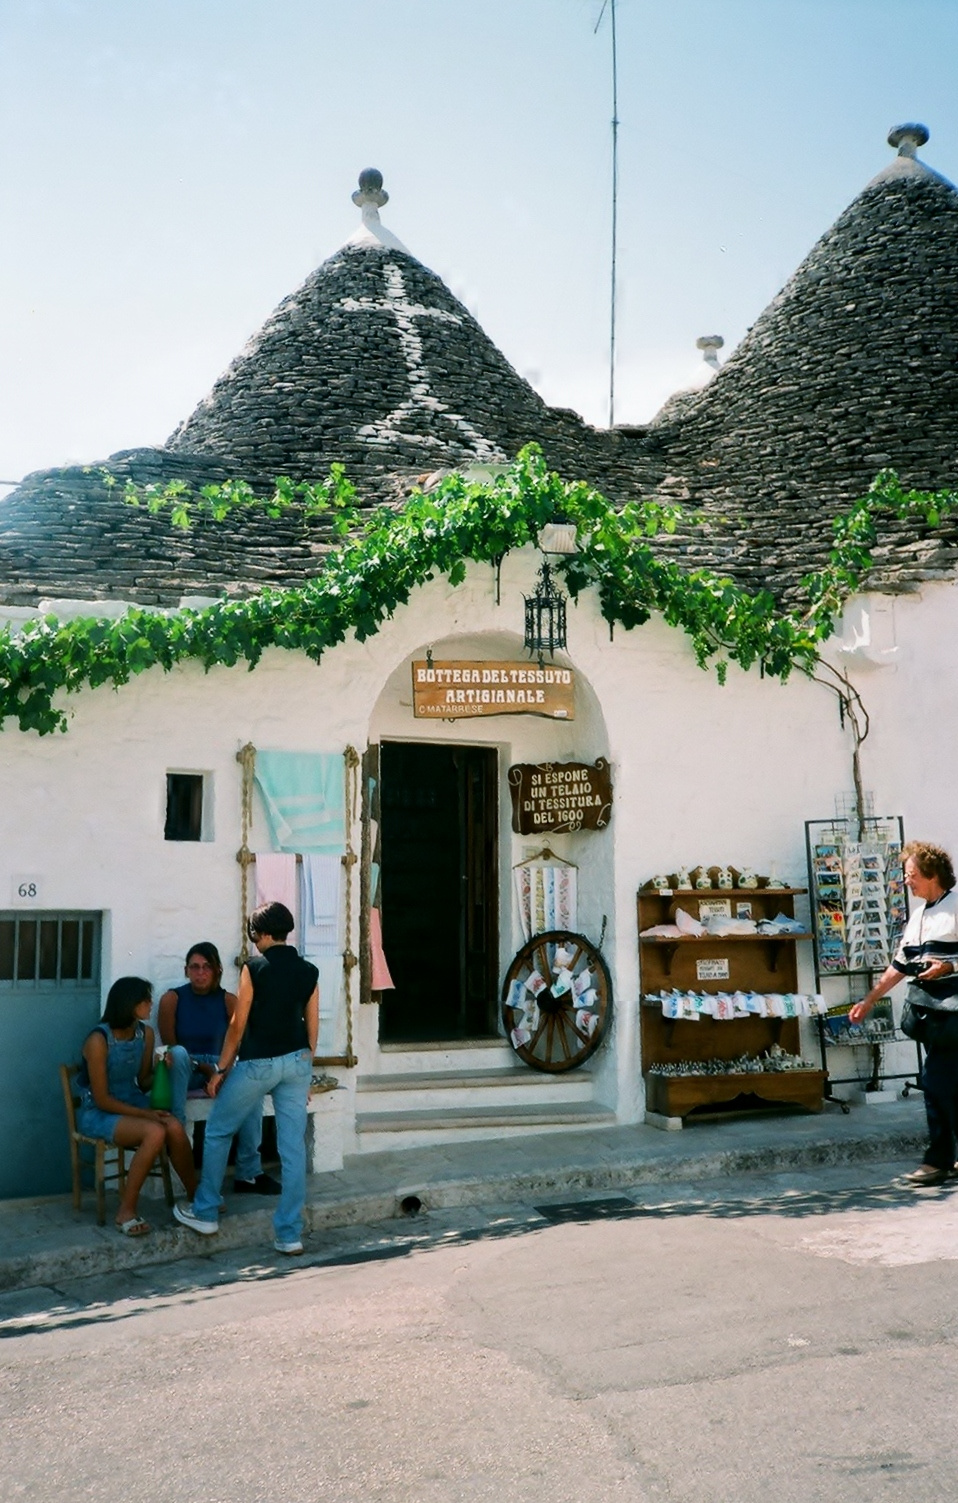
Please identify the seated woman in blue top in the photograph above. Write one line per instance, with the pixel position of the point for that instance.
(114, 1079)
(193, 1020)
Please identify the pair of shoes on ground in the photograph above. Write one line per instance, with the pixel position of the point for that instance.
(263, 1184)
(186, 1216)
(926, 1175)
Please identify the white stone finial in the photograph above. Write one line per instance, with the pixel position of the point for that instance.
(710, 344)
(370, 197)
(371, 192)
(908, 138)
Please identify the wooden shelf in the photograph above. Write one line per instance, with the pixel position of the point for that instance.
(723, 892)
(677, 1095)
(756, 963)
(721, 939)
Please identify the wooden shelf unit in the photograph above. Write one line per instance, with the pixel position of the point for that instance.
(757, 962)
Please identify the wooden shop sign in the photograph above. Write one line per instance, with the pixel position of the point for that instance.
(460, 691)
(560, 796)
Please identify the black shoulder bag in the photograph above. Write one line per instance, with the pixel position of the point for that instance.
(932, 1027)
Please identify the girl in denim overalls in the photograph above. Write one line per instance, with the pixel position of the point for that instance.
(118, 1066)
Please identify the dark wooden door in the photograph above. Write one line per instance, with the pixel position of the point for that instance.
(439, 856)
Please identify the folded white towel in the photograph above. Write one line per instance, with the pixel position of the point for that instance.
(687, 924)
(721, 924)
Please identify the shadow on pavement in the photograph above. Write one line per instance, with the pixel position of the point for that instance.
(122, 1296)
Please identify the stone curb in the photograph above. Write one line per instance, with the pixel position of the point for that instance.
(102, 1251)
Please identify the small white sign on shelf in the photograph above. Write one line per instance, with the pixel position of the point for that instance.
(715, 908)
(711, 970)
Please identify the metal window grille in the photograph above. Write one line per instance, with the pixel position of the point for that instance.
(49, 950)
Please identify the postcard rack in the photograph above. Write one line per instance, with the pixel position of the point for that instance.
(859, 909)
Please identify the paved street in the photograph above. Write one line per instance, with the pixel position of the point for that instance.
(788, 1336)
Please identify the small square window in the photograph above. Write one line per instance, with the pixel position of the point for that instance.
(184, 806)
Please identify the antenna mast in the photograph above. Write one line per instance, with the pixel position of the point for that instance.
(610, 6)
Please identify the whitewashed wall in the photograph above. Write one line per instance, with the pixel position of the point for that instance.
(702, 773)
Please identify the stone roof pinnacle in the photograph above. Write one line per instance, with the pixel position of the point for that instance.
(370, 198)
(710, 344)
(907, 138)
(907, 164)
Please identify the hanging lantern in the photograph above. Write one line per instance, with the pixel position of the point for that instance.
(545, 616)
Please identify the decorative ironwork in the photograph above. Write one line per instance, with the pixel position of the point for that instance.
(545, 616)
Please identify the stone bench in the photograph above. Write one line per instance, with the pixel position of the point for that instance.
(324, 1141)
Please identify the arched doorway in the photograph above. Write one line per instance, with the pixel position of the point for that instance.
(441, 848)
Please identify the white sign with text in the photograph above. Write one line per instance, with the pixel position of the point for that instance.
(711, 970)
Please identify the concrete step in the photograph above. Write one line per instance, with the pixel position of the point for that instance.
(518, 1086)
(379, 1131)
(464, 1054)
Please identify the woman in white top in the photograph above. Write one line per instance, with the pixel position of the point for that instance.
(928, 954)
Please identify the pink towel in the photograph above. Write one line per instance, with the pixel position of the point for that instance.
(381, 979)
(276, 880)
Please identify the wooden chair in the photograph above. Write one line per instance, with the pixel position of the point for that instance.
(102, 1173)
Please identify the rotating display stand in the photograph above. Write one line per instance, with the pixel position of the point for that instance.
(859, 910)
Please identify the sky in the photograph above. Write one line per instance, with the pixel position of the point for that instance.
(171, 169)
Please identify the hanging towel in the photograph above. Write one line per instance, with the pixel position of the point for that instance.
(566, 898)
(332, 1012)
(276, 880)
(539, 925)
(322, 906)
(523, 881)
(304, 798)
(381, 979)
(547, 897)
(321, 885)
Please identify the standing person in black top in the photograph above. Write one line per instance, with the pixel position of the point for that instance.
(268, 1050)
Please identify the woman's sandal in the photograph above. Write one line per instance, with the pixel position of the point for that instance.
(135, 1227)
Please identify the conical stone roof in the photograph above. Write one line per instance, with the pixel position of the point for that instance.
(372, 362)
(853, 367)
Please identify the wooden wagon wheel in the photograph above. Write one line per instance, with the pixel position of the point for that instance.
(557, 1001)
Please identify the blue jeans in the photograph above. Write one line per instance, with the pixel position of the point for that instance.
(286, 1078)
(184, 1078)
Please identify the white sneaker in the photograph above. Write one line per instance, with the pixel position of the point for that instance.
(183, 1211)
(290, 1249)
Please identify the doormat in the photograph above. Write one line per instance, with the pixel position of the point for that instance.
(590, 1210)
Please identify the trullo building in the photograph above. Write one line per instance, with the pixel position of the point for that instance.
(382, 801)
